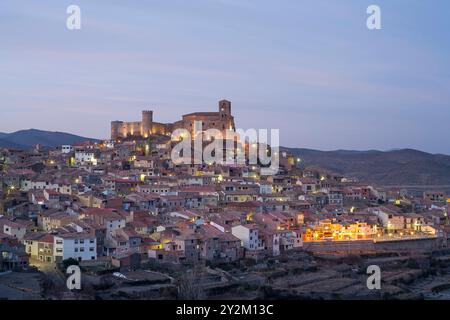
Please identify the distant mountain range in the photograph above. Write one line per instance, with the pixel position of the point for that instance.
(27, 139)
(394, 167)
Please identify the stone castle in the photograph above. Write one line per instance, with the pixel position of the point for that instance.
(221, 120)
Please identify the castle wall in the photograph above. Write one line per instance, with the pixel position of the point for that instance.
(131, 129)
(116, 129)
(208, 122)
(161, 128)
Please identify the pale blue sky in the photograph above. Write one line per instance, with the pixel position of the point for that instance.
(310, 68)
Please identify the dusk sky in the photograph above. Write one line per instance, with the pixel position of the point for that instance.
(310, 68)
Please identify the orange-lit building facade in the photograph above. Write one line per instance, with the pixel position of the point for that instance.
(330, 230)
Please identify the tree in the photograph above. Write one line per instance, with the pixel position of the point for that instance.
(69, 262)
(188, 286)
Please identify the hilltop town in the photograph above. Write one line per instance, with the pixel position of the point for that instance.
(140, 226)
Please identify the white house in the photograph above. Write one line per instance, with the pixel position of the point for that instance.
(12, 228)
(79, 246)
(143, 162)
(113, 222)
(265, 188)
(66, 149)
(85, 158)
(248, 234)
(27, 185)
(389, 219)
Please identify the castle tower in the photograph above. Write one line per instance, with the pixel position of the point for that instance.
(147, 123)
(225, 115)
(116, 129)
(225, 108)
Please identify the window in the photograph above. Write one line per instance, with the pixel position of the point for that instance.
(82, 241)
(91, 249)
(76, 250)
(91, 241)
(81, 249)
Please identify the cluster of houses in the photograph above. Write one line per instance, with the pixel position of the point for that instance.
(126, 202)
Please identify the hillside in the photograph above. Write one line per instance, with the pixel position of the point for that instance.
(396, 167)
(8, 144)
(25, 139)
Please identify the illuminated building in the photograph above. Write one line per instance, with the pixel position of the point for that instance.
(332, 231)
(221, 120)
